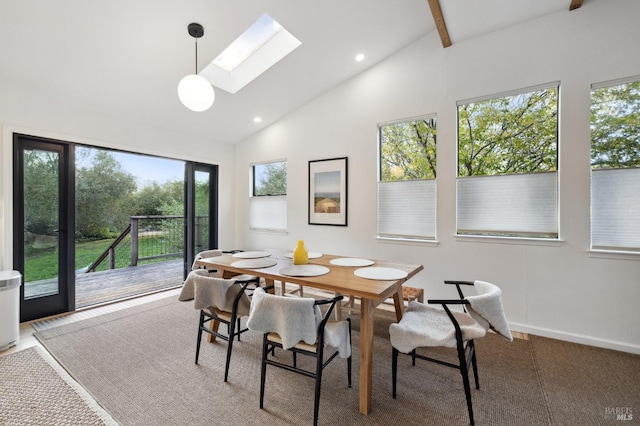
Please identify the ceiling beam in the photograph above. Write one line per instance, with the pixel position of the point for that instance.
(575, 4)
(438, 18)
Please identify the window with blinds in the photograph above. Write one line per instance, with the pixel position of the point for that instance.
(507, 184)
(615, 165)
(407, 179)
(268, 200)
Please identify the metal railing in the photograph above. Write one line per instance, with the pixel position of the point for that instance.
(147, 239)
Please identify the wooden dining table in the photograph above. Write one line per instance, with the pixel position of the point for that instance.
(339, 279)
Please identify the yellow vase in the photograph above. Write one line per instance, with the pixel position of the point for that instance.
(300, 254)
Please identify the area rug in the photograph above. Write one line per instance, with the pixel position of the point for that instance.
(138, 364)
(35, 392)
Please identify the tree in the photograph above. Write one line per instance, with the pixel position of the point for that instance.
(408, 150)
(149, 200)
(103, 197)
(512, 134)
(615, 126)
(41, 176)
(270, 179)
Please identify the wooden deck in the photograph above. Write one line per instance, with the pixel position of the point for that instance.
(116, 284)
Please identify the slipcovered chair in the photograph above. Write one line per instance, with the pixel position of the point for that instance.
(219, 301)
(298, 325)
(423, 325)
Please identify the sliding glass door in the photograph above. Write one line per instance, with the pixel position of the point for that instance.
(93, 225)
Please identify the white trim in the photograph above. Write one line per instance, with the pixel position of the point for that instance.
(576, 338)
(407, 120)
(509, 240)
(544, 86)
(408, 241)
(614, 254)
(616, 82)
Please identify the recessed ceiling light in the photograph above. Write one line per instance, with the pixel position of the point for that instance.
(257, 120)
(359, 57)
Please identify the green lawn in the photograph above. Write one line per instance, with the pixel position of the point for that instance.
(42, 264)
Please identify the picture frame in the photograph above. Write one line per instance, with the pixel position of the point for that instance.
(328, 192)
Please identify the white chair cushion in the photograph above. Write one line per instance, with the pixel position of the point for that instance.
(207, 291)
(487, 306)
(426, 325)
(292, 318)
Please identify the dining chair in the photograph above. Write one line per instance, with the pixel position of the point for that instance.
(423, 325)
(215, 253)
(219, 301)
(297, 324)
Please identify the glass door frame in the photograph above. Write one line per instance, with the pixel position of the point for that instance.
(190, 209)
(64, 299)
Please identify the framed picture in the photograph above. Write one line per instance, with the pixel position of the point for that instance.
(328, 192)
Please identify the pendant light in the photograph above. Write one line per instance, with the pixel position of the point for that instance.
(194, 91)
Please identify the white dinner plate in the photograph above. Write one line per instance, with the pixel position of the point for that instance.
(312, 255)
(262, 262)
(351, 261)
(304, 270)
(379, 273)
(251, 254)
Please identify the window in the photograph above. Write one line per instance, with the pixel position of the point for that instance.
(407, 179)
(268, 201)
(615, 165)
(507, 183)
(257, 49)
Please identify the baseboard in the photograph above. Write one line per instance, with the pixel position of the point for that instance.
(577, 338)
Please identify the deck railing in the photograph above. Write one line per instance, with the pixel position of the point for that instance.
(148, 239)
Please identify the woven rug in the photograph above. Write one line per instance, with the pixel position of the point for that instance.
(35, 391)
(138, 364)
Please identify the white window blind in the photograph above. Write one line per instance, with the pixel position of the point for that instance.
(268, 213)
(518, 205)
(615, 208)
(407, 209)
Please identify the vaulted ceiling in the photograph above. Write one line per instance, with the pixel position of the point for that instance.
(125, 58)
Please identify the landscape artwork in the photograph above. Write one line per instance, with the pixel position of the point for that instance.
(328, 192)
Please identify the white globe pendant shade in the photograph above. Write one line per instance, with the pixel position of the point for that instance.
(196, 93)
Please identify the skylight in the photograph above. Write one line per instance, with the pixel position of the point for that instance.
(257, 49)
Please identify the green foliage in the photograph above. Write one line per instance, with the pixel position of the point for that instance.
(513, 134)
(41, 171)
(148, 201)
(104, 197)
(615, 126)
(408, 150)
(270, 179)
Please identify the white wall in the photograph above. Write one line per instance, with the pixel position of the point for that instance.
(26, 110)
(555, 289)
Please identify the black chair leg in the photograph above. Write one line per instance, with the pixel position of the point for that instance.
(474, 363)
(239, 329)
(200, 324)
(316, 402)
(394, 370)
(263, 370)
(349, 359)
(229, 348)
(465, 381)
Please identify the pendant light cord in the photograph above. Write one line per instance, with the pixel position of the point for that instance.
(196, 56)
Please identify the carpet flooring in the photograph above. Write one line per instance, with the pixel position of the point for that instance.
(34, 392)
(138, 364)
